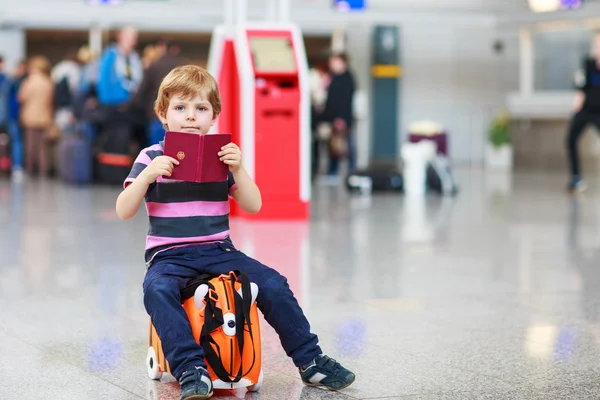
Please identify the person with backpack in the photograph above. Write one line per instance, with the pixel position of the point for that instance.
(66, 76)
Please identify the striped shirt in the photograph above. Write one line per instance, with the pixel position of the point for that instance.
(182, 213)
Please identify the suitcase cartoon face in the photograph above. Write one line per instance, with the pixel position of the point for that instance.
(215, 310)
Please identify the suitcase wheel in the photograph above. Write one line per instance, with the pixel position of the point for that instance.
(257, 385)
(154, 371)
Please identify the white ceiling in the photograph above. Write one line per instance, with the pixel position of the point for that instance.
(309, 14)
(430, 5)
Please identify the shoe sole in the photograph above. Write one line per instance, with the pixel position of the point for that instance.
(199, 396)
(328, 388)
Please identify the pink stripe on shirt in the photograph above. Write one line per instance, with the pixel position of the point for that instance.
(188, 209)
(143, 158)
(154, 147)
(156, 241)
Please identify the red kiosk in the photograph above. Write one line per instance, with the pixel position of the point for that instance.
(263, 77)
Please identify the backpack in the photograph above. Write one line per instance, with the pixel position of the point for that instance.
(224, 319)
(62, 94)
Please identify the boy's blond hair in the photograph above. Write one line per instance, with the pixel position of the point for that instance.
(188, 81)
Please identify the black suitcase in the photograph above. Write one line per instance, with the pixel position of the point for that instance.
(114, 158)
(377, 178)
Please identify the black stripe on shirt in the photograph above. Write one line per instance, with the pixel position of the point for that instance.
(178, 192)
(182, 227)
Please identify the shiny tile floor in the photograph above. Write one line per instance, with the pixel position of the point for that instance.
(494, 294)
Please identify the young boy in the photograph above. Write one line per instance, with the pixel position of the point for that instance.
(189, 235)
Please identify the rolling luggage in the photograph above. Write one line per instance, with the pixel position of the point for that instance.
(74, 159)
(114, 160)
(377, 178)
(5, 160)
(224, 318)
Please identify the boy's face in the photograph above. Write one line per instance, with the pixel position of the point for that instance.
(191, 115)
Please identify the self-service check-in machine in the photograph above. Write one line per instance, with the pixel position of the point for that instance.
(263, 77)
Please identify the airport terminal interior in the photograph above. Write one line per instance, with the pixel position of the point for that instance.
(433, 221)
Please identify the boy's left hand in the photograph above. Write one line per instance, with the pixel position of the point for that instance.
(231, 155)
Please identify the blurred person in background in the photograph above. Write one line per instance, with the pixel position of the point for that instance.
(4, 89)
(587, 110)
(85, 97)
(149, 55)
(36, 96)
(120, 75)
(89, 70)
(144, 98)
(5, 155)
(14, 120)
(321, 131)
(66, 76)
(339, 112)
(120, 69)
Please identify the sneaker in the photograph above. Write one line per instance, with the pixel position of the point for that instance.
(196, 384)
(577, 185)
(325, 371)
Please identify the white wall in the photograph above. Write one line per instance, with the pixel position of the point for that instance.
(451, 76)
(12, 46)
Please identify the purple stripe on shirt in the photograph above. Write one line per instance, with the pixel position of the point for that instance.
(188, 209)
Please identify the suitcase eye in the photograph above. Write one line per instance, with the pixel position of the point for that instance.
(229, 324)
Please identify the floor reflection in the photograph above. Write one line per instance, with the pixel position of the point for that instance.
(494, 293)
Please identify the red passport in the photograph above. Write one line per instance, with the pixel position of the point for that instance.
(197, 155)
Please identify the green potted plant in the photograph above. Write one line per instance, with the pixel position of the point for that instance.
(499, 152)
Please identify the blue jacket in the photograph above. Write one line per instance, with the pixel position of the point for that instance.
(4, 98)
(14, 108)
(113, 87)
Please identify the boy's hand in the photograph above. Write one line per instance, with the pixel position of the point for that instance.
(160, 166)
(231, 155)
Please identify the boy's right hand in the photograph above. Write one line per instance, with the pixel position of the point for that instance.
(160, 166)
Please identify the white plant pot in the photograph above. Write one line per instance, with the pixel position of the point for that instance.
(499, 159)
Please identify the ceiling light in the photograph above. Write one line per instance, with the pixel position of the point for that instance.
(540, 6)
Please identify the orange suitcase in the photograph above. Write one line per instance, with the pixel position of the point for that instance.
(224, 318)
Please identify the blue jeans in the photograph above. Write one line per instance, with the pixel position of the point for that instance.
(171, 271)
(14, 131)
